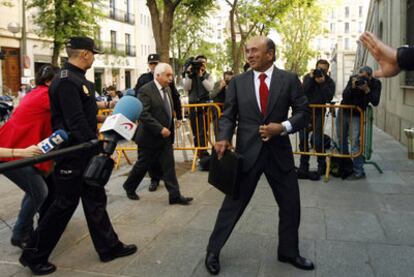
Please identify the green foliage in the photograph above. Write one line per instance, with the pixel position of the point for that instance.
(300, 25)
(61, 19)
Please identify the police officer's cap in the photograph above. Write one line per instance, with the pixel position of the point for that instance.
(83, 43)
(153, 58)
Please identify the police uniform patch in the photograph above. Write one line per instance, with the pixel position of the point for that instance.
(64, 73)
(85, 90)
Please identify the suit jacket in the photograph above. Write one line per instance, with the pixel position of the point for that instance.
(241, 110)
(153, 118)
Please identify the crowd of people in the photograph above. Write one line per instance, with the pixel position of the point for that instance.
(259, 99)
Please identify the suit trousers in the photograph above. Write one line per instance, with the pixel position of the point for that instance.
(285, 189)
(70, 188)
(147, 157)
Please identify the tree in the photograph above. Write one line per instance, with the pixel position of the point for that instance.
(249, 18)
(162, 20)
(297, 29)
(61, 19)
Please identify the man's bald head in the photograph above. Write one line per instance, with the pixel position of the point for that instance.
(260, 53)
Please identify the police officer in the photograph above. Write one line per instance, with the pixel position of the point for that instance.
(74, 109)
(155, 170)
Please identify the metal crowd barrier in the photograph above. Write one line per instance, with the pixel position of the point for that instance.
(197, 132)
(332, 122)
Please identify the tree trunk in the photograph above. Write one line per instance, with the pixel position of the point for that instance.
(56, 52)
(162, 27)
(234, 48)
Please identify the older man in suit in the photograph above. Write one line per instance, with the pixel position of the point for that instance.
(155, 136)
(260, 100)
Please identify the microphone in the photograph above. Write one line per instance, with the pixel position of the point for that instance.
(48, 144)
(120, 125)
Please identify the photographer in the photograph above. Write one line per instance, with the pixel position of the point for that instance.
(361, 90)
(319, 88)
(219, 92)
(199, 84)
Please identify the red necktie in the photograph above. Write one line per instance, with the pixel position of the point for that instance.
(264, 93)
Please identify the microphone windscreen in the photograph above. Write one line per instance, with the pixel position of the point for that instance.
(62, 134)
(129, 106)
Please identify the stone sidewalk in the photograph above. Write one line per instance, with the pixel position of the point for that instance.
(348, 228)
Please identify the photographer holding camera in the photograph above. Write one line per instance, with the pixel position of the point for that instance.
(319, 88)
(361, 90)
(219, 92)
(199, 84)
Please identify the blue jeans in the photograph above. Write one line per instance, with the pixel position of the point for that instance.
(350, 130)
(35, 188)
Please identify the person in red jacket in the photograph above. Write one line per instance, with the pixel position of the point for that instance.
(29, 124)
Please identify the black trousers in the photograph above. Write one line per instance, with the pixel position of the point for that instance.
(286, 192)
(69, 190)
(317, 141)
(147, 157)
(155, 172)
(198, 121)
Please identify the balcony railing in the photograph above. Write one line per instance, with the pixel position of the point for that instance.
(109, 47)
(122, 16)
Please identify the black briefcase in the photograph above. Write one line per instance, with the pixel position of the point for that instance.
(223, 173)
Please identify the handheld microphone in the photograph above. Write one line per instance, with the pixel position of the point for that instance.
(120, 125)
(48, 144)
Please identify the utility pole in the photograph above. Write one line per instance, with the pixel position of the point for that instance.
(23, 42)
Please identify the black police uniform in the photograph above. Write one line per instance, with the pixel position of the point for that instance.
(73, 109)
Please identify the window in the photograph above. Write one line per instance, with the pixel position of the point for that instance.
(128, 44)
(113, 40)
(346, 28)
(360, 27)
(346, 12)
(112, 8)
(332, 27)
(346, 44)
(409, 75)
(360, 13)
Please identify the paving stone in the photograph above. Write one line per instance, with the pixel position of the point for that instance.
(173, 253)
(349, 200)
(353, 226)
(342, 259)
(387, 260)
(83, 256)
(399, 202)
(399, 227)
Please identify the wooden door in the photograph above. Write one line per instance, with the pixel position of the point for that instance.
(11, 69)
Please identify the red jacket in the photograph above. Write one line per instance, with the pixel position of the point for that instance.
(29, 124)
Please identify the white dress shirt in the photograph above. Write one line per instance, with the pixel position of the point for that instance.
(159, 87)
(269, 72)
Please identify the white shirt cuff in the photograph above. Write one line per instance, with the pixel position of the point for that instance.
(287, 125)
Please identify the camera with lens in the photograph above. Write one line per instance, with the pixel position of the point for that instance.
(361, 81)
(318, 73)
(195, 67)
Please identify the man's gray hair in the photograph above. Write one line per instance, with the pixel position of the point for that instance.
(161, 68)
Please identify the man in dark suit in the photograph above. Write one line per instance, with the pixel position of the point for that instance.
(153, 59)
(260, 100)
(155, 136)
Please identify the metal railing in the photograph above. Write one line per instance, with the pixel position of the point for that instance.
(122, 16)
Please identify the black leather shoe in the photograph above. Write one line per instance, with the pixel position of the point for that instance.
(154, 185)
(39, 269)
(181, 200)
(122, 251)
(212, 263)
(298, 261)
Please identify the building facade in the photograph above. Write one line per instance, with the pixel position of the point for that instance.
(125, 37)
(393, 22)
(343, 22)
